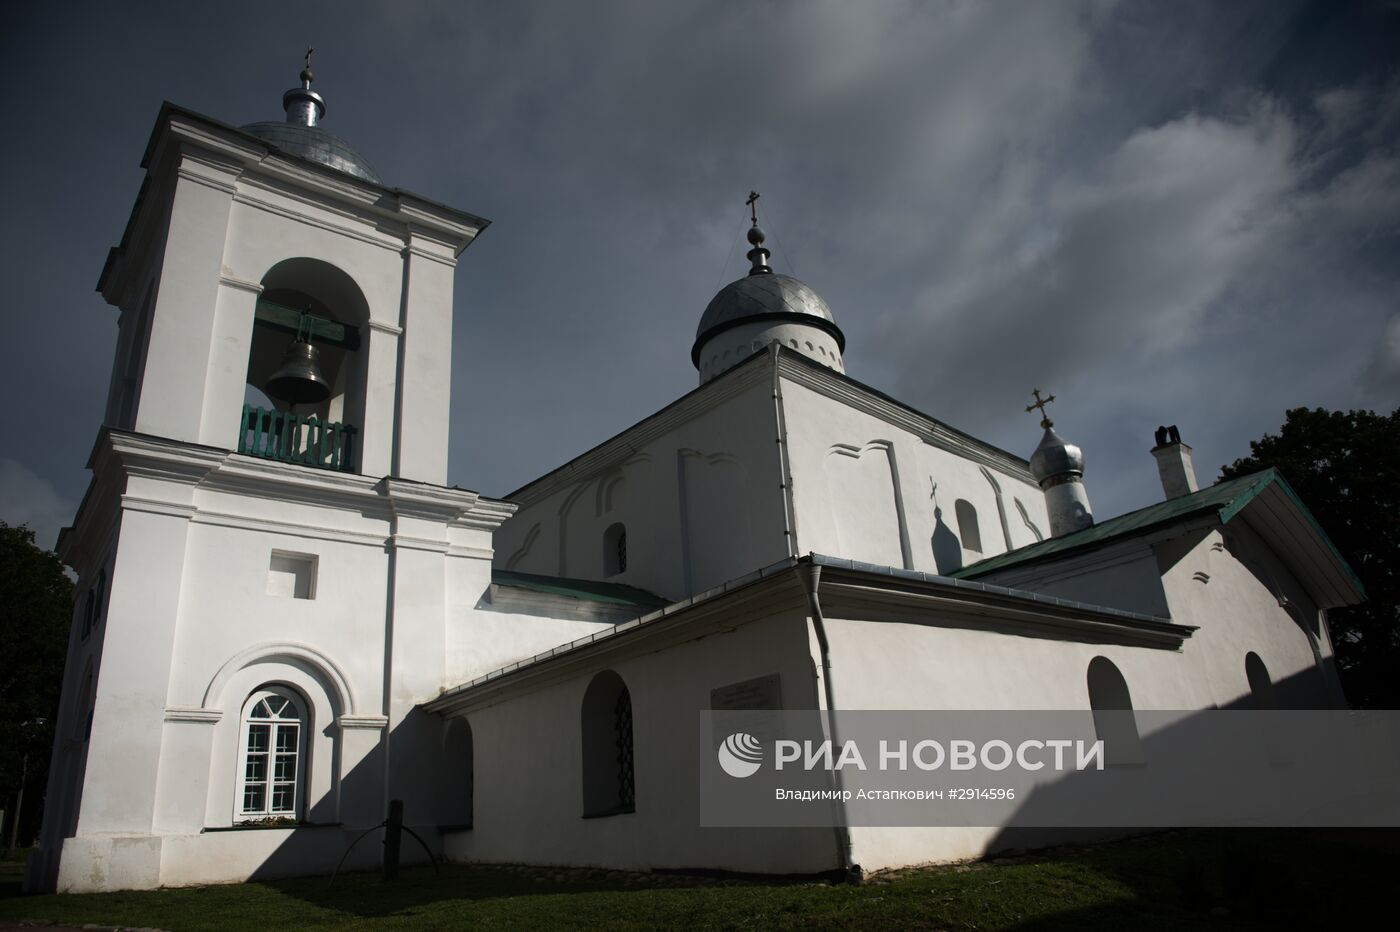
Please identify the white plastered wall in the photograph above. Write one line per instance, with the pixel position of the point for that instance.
(864, 488)
(702, 504)
(528, 763)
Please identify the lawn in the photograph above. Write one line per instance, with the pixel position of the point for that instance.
(1258, 879)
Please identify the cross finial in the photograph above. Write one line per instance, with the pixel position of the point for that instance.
(1041, 403)
(752, 204)
(306, 76)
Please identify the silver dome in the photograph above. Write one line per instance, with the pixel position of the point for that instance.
(316, 145)
(1056, 457)
(764, 296)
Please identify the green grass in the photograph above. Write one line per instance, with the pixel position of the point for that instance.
(1260, 879)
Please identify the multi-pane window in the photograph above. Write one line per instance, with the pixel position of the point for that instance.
(622, 725)
(271, 756)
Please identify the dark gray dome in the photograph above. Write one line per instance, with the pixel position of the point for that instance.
(1056, 457)
(316, 145)
(760, 297)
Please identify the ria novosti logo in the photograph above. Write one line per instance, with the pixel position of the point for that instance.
(741, 755)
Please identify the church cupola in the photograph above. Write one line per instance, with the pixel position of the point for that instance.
(764, 307)
(304, 106)
(1058, 466)
(300, 134)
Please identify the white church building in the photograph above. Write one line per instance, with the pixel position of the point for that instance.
(286, 618)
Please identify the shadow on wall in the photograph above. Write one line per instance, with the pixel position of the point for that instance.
(420, 744)
(1116, 723)
(947, 550)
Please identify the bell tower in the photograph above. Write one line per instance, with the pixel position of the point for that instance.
(274, 295)
(267, 546)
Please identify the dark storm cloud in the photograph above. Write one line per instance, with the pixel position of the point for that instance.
(1180, 212)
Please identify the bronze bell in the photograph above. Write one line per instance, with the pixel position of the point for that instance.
(299, 380)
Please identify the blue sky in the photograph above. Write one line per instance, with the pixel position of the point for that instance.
(1161, 213)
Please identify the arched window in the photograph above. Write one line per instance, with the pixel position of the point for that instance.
(1261, 687)
(1113, 714)
(968, 529)
(615, 550)
(270, 757)
(608, 784)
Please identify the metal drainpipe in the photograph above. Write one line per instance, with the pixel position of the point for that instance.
(811, 575)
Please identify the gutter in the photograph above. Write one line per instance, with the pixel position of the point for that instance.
(810, 574)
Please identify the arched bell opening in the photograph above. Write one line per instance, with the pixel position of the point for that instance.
(304, 400)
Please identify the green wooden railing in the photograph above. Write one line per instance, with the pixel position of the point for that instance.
(296, 438)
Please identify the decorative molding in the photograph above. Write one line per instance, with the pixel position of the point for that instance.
(422, 253)
(194, 716)
(157, 458)
(564, 509)
(409, 542)
(375, 722)
(240, 284)
(841, 388)
(475, 553)
(906, 549)
(486, 514)
(1025, 516)
(223, 187)
(268, 525)
(1001, 509)
(382, 327)
(524, 549)
(321, 666)
(155, 507)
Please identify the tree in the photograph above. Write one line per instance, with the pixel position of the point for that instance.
(36, 606)
(1346, 468)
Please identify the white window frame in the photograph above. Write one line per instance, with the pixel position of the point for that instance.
(277, 726)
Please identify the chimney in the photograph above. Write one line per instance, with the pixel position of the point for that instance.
(1174, 463)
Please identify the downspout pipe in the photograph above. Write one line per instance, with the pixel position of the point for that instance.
(811, 574)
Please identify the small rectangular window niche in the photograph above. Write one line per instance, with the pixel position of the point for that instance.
(292, 575)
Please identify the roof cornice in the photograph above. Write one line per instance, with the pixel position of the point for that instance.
(180, 134)
(848, 590)
(178, 465)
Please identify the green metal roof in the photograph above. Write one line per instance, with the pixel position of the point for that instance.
(1225, 500)
(585, 589)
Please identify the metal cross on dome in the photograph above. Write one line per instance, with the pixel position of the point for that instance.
(1040, 403)
(752, 204)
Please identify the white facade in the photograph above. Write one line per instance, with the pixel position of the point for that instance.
(427, 644)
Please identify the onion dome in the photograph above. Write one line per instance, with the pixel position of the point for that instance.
(301, 135)
(1056, 459)
(761, 308)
